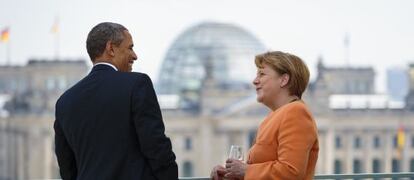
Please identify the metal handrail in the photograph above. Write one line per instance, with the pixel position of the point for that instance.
(340, 176)
(367, 175)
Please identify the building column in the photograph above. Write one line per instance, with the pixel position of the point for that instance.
(367, 143)
(11, 151)
(349, 161)
(245, 144)
(405, 157)
(206, 144)
(3, 149)
(48, 151)
(329, 147)
(38, 152)
(388, 146)
(20, 157)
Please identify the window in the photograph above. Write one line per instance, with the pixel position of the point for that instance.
(187, 169)
(338, 166)
(50, 83)
(412, 142)
(357, 167)
(376, 166)
(357, 143)
(377, 142)
(13, 85)
(252, 136)
(338, 143)
(396, 165)
(395, 141)
(188, 143)
(61, 83)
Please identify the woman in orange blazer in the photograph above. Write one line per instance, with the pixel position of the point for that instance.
(286, 145)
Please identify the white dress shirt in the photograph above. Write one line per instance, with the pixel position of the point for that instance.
(106, 64)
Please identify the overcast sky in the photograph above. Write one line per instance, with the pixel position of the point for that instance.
(381, 32)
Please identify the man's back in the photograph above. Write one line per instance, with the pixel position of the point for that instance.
(109, 126)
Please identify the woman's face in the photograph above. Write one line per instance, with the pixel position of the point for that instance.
(268, 85)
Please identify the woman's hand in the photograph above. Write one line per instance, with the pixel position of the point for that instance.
(235, 169)
(218, 172)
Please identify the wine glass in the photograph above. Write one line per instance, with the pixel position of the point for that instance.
(236, 152)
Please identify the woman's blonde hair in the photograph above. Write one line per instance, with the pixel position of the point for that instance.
(285, 63)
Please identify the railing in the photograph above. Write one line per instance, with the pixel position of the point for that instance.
(404, 175)
(367, 175)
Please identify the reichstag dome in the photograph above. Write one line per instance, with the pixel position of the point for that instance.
(218, 52)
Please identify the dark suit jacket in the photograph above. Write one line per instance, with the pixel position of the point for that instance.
(109, 126)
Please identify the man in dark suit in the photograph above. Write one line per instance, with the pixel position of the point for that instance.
(109, 124)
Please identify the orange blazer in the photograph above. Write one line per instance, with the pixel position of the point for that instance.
(286, 145)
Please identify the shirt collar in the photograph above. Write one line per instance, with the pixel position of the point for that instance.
(108, 64)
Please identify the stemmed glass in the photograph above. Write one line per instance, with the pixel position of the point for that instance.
(236, 153)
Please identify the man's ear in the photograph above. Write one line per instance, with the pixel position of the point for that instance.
(109, 48)
(284, 80)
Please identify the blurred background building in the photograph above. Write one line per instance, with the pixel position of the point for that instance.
(209, 103)
(27, 101)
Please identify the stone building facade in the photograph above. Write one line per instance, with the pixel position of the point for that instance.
(28, 94)
(214, 107)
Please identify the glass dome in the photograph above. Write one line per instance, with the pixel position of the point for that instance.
(221, 52)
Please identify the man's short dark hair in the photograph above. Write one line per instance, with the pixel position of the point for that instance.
(100, 35)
